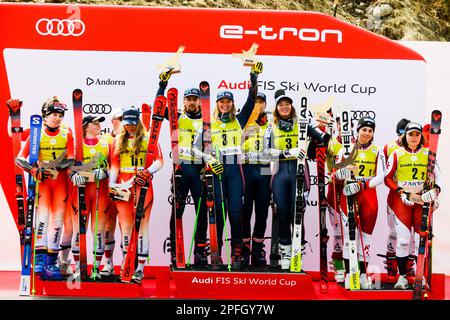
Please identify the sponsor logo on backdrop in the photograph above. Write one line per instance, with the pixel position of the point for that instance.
(358, 114)
(104, 82)
(60, 27)
(97, 108)
(288, 33)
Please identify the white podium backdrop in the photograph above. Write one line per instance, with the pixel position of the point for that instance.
(399, 85)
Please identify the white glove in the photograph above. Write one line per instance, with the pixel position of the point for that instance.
(430, 195)
(405, 199)
(295, 153)
(100, 174)
(77, 179)
(155, 167)
(343, 174)
(352, 188)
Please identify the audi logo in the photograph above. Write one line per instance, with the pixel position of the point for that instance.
(314, 180)
(358, 114)
(60, 27)
(97, 108)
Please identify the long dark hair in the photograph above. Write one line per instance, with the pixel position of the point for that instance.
(405, 144)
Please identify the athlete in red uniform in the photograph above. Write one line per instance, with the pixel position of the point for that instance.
(391, 260)
(406, 176)
(130, 152)
(56, 154)
(361, 179)
(93, 175)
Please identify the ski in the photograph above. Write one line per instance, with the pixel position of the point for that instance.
(209, 178)
(300, 203)
(427, 212)
(321, 151)
(159, 107)
(77, 102)
(145, 110)
(172, 96)
(35, 138)
(16, 131)
(346, 135)
(274, 244)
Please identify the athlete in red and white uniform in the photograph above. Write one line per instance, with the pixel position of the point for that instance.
(406, 176)
(361, 179)
(391, 244)
(52, 191)
(130, 152)
(111, 218)
(93, 175)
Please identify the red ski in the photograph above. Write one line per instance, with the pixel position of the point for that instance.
(172, 96)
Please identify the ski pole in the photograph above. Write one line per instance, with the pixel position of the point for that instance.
(195, 228)
(227, 251)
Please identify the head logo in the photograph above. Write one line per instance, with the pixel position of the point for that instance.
(268, 33)
(60, 27)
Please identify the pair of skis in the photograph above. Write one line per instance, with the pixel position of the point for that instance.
(29, 230)
(300, 203)
(425, 232)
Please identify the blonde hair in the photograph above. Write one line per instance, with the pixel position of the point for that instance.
(232, 112)
(123, 136)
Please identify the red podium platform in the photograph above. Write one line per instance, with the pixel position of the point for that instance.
(243, 285)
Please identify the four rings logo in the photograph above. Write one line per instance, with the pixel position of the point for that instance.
(97, 108)
(358, 114)
(60, 27)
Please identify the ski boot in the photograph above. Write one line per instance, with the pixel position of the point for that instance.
(236, 256)
(41, 260)
(137, 277)
(410, 272)
(245, 253)
(169, 246)
(95, 275)
(65, 266)
(108, 269)
(201, 253)
(402, 283)
(285, 253)
(390, 266)
(258, 254)
(338, 266)
(52, 271)
(365, 282)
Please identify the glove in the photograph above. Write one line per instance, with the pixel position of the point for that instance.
(216, 166)
(430, 195)
(353, 188)
(405, 199)
(343, 174)
(296, 152)
(100, 174)
(14, 104)
(142, 178)
(257, 68)
(113, 194)
(77, 179)
(40, 174)
(165, 75)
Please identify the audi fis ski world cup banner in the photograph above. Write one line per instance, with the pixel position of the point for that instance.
(112, 53)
